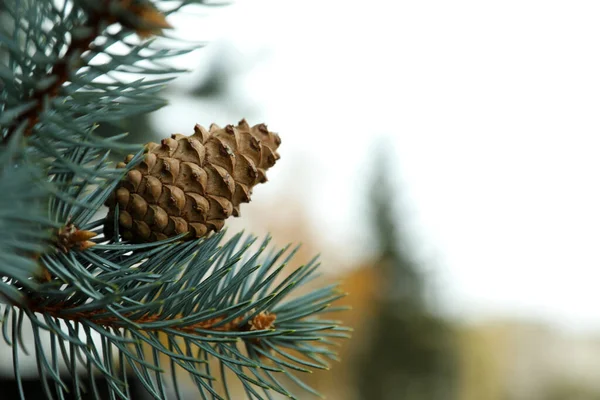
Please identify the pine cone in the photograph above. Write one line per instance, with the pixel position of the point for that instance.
(192, 183)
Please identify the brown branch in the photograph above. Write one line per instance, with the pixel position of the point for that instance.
(263, 320)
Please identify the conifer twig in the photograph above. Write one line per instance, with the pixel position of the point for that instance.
(150, 21)
(61, 72)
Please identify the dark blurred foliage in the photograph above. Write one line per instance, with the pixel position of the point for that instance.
(411, 354)
(140, 128)
(213, 85)
(33, 389)
(216, 81)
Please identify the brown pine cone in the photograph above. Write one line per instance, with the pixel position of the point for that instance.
(192, 183)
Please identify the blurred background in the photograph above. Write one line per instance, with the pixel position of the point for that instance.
(441, 156)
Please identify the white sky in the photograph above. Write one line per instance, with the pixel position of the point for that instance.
(491, 107)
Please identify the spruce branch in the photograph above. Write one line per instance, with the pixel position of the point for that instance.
(220, 295)
(25, 227)
(114, 306)
(60, 72)
(65, 74)
(140, 17)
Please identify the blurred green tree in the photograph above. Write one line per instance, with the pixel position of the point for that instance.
(411, 352)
